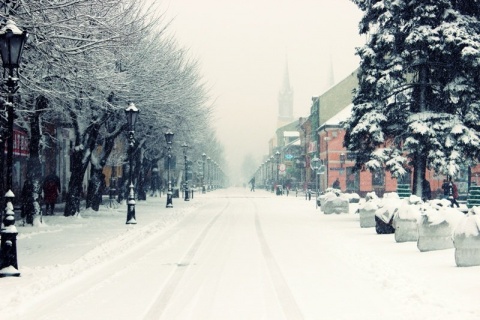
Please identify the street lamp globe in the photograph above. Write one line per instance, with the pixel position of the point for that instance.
(169, 137)
(131, 113)
(12, 41)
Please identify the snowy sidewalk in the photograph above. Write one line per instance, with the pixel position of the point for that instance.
(63, 247)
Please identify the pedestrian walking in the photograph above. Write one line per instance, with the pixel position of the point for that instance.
(252, 182)
(336, 184)
(453, 193)
(445, 187)
(51, 190)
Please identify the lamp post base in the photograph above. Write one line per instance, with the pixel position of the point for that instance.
(8, 262)
(8, 244)
(131, 219)
(169, 200)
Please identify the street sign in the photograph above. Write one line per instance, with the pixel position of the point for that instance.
(282, 167)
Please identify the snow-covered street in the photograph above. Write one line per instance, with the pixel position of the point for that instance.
(230, 254)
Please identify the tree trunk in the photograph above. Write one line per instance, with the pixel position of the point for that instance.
(75, 188)
(95, 188)
(97, 179)
(32, 186)
(79, 160)
(2, 173)
(420, 162)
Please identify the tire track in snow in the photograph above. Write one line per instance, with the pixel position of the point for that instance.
(163, 299)
(284, 294)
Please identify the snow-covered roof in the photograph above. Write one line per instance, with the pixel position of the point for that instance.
(343, 115)
(291, 134)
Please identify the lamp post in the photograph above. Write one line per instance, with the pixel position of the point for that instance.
(215, 173)
(277, 182)
(169, 139)
(12, 40)
(132, 114)
(272, 174)
(204, 157)
(315, 163)
(208, 173)
(185, 147)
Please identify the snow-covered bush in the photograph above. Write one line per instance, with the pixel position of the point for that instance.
(336, 205)
(466, 239)
(327, 196)
(384, 214)
(437, 222)
(405, 220)
(371, 196)
(353, 197)
(367, 214)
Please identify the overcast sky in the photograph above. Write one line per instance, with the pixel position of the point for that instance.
(243, 46)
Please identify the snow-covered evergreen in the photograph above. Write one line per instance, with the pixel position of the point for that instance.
(418, 98)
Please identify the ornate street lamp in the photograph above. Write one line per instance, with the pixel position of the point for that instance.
(132, 115)
(208, 173)
(185, 185)
(267, 173)
(277, 157)
(12, 40)
(215, 171)
(169, 139)
(315, 163)
(272, 175)
(204, 157)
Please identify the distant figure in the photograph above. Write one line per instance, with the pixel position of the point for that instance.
(336, 184)
(155, 182)
(426, 191)
(445, 187)
(252, 182)
(51, 190)
(453, 193)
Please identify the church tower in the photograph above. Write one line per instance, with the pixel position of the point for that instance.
(285, 101)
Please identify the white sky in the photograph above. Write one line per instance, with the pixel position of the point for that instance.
(242, 46)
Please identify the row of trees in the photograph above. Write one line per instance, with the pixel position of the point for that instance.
(418, 101)
(84, 62)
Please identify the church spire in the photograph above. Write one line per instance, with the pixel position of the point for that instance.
(286, 78)
(285, 99)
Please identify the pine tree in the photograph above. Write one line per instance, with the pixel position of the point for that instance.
(418, 100)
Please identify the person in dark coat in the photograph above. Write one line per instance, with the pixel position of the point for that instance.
(453, 194)
(51, 190)
(445, 187)
(336, 184)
